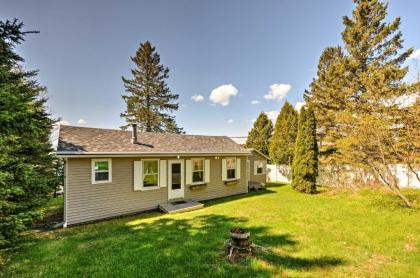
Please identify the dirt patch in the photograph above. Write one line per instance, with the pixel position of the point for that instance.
(376, 262)
(50, 220)
(410, 246)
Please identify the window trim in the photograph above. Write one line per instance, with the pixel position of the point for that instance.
(256, 168)
(204, 171)
(158, 175)
(236, 169)
(93, 172)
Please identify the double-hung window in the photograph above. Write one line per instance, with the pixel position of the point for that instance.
(197, 171)
(231, 168)
(101, 171)
(259, 167)
(150, 173)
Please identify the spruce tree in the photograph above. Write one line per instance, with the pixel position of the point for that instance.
(26, 164)
(305, 161)
(282, 143)
(260, 134)
(364, 76)
(148, 97)
(364, 82)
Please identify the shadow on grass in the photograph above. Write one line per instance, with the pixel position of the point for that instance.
(157, 247)
(250, 194)
(276, 184)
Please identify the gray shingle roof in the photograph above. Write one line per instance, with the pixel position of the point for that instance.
(84, 140)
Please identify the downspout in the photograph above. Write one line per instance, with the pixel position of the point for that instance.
(65, 192)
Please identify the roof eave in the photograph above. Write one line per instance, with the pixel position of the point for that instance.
(260, 153)
(66, 154)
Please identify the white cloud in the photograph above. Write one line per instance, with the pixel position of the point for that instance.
(299, 105)
(229, 121)
(255, 101)
(415, 54)
(272, 115)
(81, 122)
(239, 140)
(62, 122)
(197, 98)
(278, 91)
(221, 95)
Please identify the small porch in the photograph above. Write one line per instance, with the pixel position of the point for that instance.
(176, 206)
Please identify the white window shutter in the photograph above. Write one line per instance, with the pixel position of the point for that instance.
(255, 167)
(224, 170)
(207, 171)
(138, 173)
(163, 180)
(238, 168)
(188, 171)
(264, 166)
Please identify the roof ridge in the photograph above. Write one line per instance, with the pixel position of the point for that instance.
(146, 132)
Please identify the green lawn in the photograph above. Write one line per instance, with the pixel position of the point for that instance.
(333, 233)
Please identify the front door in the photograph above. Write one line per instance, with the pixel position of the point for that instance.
(176, 179)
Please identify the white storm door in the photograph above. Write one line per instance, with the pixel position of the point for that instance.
(176, 179)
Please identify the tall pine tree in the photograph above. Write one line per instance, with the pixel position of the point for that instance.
(26, 164)
(361, 83)
(260, 134)
(282, 143)
(305, 161)
(149, 98)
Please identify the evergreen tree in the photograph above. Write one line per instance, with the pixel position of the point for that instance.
(149, 98)
(364, 82)
(305, 161)
(364, 77)
(26, 165)
(326, 98)
(260, 134)
(282, 143)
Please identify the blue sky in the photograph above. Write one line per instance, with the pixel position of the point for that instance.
(85, 46)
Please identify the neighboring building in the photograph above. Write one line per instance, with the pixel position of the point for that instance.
(257, 163)
(114, 172)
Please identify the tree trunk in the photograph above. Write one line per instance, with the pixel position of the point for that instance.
(405, 200)
(394, 187)
(410, 167)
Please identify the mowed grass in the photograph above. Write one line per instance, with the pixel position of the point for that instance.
(363, 233)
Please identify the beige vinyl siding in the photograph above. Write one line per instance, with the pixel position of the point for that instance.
(252, 177)
(87, 202)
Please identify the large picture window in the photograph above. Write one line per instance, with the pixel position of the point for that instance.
(231, 168)
(150, 173)
(198, 171)
(101, 171)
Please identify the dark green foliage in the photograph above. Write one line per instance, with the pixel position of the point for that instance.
(282, 143)
(357, 97)
(260, 134)
(149, 97)
(360, 78)
(305, 162)
(26, 165)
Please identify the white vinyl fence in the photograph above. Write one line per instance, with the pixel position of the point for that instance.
(275, 173)
(405, 177)
(280, 173)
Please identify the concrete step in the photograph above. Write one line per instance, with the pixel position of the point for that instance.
(187, 205)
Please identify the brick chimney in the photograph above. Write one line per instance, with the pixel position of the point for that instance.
(134, 134)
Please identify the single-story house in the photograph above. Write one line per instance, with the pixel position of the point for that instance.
(258, 169)
(114, 172)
